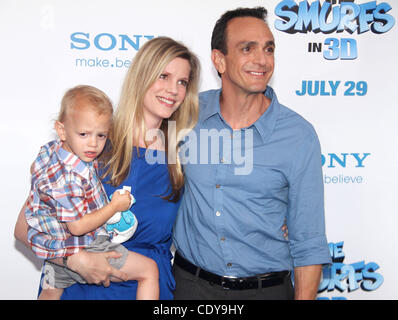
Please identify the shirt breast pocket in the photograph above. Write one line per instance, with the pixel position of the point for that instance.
(265, 180)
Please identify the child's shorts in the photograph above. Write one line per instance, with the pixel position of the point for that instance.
(56, 276)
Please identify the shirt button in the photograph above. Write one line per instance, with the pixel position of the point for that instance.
(217, 186)
(218, 213)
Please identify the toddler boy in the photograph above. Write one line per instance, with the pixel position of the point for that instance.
(68, 206)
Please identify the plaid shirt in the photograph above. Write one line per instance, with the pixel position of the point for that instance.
(63, 189)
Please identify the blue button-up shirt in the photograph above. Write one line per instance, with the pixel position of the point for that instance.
(243, 185)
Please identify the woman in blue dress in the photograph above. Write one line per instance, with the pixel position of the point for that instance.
(158, 102)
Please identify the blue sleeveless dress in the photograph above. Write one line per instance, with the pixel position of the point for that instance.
(153, 235)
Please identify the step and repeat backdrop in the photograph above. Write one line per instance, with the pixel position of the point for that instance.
(335, 65)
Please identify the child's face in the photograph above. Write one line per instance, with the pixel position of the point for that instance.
(84, 131)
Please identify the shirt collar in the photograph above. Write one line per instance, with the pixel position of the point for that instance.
(73, 162)
(264, 125)
(212, 105)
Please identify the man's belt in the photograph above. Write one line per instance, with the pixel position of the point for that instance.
(259, 281)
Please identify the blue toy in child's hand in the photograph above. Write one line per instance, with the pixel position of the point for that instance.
(122, 225)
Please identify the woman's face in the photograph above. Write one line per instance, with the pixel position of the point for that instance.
(167, 93)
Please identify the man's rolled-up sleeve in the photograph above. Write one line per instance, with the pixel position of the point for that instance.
(305, 217)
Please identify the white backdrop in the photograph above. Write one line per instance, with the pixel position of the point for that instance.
(43, 47)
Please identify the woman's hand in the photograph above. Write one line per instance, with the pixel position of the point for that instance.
(95, 268)
(285, 232)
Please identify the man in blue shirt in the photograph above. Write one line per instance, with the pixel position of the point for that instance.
(251, 165)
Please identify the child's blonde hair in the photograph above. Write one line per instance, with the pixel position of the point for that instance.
(97, 99)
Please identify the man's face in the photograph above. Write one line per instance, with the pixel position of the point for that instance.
(249, 63)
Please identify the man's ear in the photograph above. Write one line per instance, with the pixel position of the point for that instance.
(60, 128)
(218, 59)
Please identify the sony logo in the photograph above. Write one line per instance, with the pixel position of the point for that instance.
(107, 41)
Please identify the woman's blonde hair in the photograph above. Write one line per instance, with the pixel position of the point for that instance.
(129, 125)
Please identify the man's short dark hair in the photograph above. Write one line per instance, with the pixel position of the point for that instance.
(218, 38)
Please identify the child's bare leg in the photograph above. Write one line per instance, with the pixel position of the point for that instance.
(50, 294)
(145, 271)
